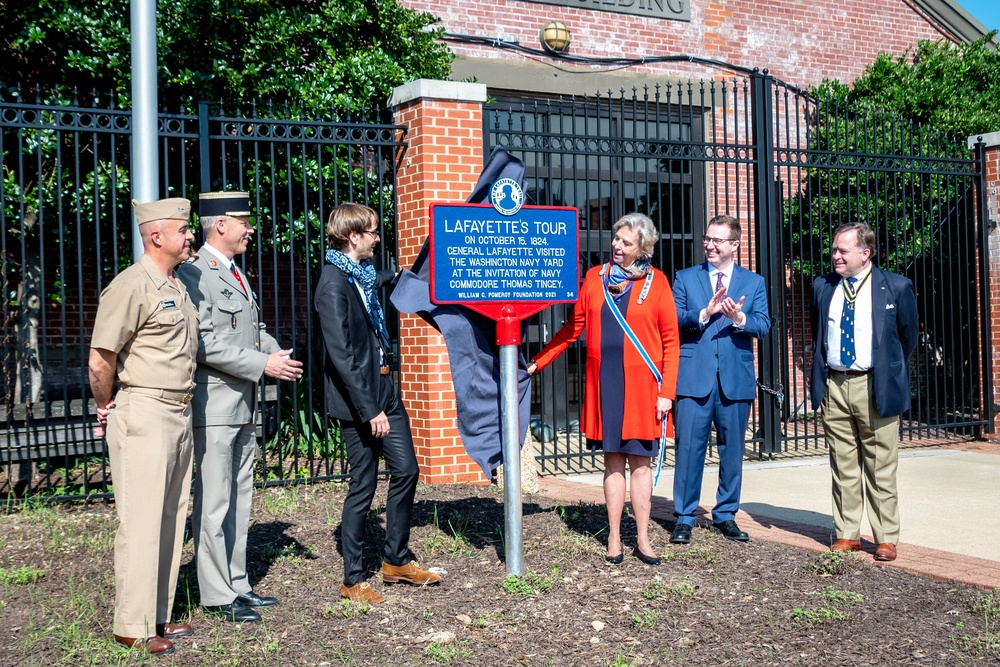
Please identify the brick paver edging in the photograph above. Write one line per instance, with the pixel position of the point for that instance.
(932, 563)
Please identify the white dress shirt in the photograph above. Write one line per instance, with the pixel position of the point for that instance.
(713, 279)
(863, 326)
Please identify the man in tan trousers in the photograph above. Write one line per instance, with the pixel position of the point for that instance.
(146, 335)
(865, 326)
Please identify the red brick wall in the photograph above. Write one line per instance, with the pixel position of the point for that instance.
(992, 347)
(443, 161)
(798, 42)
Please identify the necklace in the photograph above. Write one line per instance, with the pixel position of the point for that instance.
(851, 291)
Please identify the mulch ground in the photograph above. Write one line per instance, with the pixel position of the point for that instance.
(713, 602)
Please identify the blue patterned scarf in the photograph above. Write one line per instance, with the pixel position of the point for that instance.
(619, 280)
(364, 273)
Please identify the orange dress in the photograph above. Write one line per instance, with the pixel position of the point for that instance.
(654, 322)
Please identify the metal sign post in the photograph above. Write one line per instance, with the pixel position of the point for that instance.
(509, 338)
(508, 262)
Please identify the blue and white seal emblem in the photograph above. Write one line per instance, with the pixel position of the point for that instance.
(506, 196)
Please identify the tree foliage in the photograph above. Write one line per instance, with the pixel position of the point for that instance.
(890, 151)
(343, 54)
(903, 123)
(953, 88)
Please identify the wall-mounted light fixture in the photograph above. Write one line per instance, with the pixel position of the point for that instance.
(555, 37)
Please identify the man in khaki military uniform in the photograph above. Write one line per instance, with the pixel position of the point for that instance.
(233, 352)
(146, 335)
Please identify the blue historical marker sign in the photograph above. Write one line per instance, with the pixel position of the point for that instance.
(486, 256)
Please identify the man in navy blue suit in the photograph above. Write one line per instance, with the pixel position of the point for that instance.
(721, 308)
(865, 328)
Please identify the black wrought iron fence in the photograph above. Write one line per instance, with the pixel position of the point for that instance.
(65, 231)
(791, 168)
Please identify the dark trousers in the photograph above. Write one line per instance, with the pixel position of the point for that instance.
(363, 451)
(695, 417)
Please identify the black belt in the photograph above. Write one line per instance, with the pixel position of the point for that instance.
(854, 374)
(383, 370)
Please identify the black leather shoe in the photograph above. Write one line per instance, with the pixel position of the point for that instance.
(235, 612)
(730, 531)
(615, 560)
(682, 534)
(251, 599)
(648, 560)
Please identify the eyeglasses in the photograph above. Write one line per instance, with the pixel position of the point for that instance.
(712, 240)
(374, 232)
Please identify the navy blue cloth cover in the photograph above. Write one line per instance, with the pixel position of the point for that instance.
(471, 340)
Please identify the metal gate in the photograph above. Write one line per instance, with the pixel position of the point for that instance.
(65, 232)
(791, 167)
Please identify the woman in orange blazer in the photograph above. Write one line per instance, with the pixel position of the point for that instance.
(624, 405)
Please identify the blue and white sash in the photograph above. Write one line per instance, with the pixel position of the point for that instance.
(642, 352)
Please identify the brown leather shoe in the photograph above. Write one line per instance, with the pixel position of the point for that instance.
(846, 545)
(153, 645)
(361, 592)
(409, 573)
(174, 630)
(886, 551)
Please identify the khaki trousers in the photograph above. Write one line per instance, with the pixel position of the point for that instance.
(223, 493)
(864, 453)
(150, 446)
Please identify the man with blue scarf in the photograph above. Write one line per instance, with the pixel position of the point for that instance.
(361, 394)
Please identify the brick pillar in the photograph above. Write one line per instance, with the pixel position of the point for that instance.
(444, 155)
(992, 169)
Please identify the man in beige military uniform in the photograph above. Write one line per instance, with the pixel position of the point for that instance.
(146, 335)
(233, 352)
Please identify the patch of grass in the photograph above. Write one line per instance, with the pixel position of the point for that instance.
(446, 654)
(281, 499)
(574, 544)
(683, 591)
(348, 609)
(648, 618)
(530, 584)
(697, 555)
(659, 589)
(987, 643)
(987, 605)
(833, 563)
(289, 552)
(655, 589)
(832, 608)
(815, 616)
(63, 531)
(71, 628)
(458, 543)
(20, 576)
(622, 660)
(581, 512)
(842, 598)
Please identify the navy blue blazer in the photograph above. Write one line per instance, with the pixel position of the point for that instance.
(719, 350)
(894, 337)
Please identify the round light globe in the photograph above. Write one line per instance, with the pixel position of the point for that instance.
(555, 37)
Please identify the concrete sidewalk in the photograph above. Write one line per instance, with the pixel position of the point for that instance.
(949, 502)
